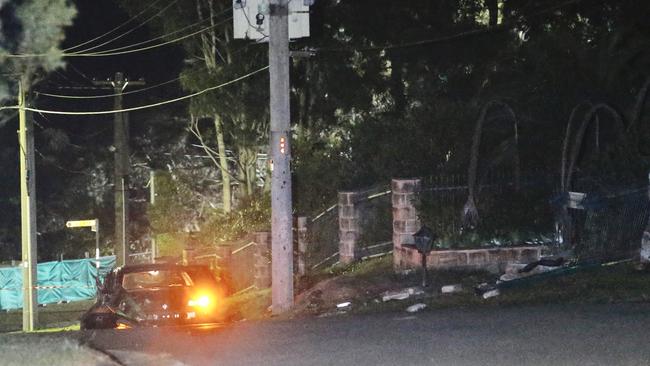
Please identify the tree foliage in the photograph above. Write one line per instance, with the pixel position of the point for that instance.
(396, 88)
(32, 27)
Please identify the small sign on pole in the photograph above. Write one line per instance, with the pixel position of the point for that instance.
(92, 224)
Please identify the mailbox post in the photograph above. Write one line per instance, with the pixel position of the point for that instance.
(423, 244)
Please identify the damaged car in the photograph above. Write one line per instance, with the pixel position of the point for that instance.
(156, 295)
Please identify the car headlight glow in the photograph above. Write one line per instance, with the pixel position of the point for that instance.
(201, 301)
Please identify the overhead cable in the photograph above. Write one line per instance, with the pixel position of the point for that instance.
(94, 113)
(140, 25)
(153, 3)
(162, 36)
(65, 96)
(111, 95)
(111, 53)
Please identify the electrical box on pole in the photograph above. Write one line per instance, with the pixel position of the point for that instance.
(251, 19)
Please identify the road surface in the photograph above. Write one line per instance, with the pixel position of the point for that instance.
(536, 335)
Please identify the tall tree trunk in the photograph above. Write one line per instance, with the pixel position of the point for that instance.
(470, 212)
(244, 172)
(493, 9)
(250, 171)
(304, 96)
(580, 134)
(397, 84)
(250, 177)
(638, 105)
(223, 165)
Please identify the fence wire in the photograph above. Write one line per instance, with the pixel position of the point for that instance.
(527, 211)
(511, 212)
(375, 211)
(609, 222)
(323, 238)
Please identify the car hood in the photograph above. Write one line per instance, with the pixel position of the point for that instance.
(153, 300)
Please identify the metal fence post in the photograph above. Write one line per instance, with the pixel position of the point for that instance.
(262, 259)
(303, 245)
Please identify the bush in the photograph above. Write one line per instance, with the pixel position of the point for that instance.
(253, 214)
(170, 244)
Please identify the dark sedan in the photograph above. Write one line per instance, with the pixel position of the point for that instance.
(154, 295)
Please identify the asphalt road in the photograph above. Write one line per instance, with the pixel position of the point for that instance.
(540, 335)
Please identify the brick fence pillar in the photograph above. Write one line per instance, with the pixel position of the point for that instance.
(405, 218)
(303, 244)
(262, 259)
(349, 226)
(187, 256)
(224, 262)
(225, 256)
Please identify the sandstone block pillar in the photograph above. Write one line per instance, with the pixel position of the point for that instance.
(349, 226)
(262, 259)
(405, 218)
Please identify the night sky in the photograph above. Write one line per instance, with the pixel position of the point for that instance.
(90, 137)
(99, 16)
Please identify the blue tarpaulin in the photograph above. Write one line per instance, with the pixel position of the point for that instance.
(68, 280)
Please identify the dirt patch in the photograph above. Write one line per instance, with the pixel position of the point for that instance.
(363, 284)
(325, 295)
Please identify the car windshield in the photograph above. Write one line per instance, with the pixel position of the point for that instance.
(155, 279)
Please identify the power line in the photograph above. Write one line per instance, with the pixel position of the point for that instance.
(93, 113)
(111, 53)
(153, 3)
(67, 96)
(52, 162)
(76, 70)
(63, 96)
(161, 11)
(163, 36)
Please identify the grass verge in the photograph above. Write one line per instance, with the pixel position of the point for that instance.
(249, 305)
(363, 283)
(51, 316)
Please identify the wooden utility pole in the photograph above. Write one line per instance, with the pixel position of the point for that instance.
(120, 142)
(27, 210)
(281, 203)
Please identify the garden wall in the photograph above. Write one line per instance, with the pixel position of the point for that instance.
(406, 222)
(488, 259)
